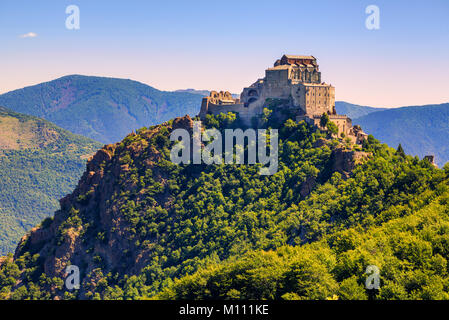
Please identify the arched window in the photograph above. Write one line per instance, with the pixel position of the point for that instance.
(252, 93)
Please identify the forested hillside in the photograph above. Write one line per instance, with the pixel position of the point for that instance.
(39, 164)
(354, 111)
(421, 130)
(104, 109)
(136, 222)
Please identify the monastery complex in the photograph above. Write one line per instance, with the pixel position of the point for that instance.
(296, 82)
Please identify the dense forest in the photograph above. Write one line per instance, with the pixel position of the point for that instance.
(39, 164)
(139, 226)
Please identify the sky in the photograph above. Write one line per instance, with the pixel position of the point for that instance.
(227, 45)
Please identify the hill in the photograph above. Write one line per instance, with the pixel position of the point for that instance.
(354, 111)
(422, 130)
(103, 109)
(136, 222)
(39, 163)
(203, 93)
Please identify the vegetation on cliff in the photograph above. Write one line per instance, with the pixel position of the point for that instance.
(137, 222)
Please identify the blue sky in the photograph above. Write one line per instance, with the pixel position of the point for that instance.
(228, 44)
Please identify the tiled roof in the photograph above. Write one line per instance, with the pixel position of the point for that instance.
(289, 56)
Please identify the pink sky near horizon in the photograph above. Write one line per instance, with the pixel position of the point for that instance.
(372, 84)
(203, 46)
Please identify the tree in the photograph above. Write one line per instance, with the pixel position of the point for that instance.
(266, 115)
(332, 127)
(400, 151)
(324, 120)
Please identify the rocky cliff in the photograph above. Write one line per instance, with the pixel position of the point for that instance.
(134, 213)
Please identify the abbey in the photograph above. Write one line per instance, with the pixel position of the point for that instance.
(296, 82)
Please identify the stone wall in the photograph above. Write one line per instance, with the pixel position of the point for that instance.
(314, 99)
(343, 123)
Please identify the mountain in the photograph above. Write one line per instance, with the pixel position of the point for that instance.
(421, 130)
(354, 111)
(104, 109)
(39, 163)
(139, 226)
(204, 93)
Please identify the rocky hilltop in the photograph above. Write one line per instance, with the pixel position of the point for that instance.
(136, 221)
(109, 174)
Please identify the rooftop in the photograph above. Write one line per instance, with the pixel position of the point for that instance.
(290, 56)
(280, 67)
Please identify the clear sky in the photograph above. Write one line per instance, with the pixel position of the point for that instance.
(227, 45)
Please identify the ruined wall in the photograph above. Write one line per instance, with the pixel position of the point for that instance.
(221, 99)
(245, 113)
(344, 124)
(223, 102)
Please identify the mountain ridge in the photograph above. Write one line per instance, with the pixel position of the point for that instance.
(354, 111)
(421, 130)
(104, 109)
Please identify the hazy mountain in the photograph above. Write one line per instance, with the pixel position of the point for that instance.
(200, 92)
(203, 93)
(39, 163)
(354, 111)
(422, 130)
(104, 109)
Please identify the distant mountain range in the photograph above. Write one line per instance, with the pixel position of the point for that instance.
(200, 92)
(421, 130)
(204, 93)
(39, 164)
(354, 111)
(106, 109)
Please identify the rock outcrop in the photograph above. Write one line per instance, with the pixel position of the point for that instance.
(70, 238)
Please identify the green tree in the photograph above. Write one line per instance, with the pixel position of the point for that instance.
(332, 127)
(324, 120)
(400, 151)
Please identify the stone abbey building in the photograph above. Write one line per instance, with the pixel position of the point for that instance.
(294, 80)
